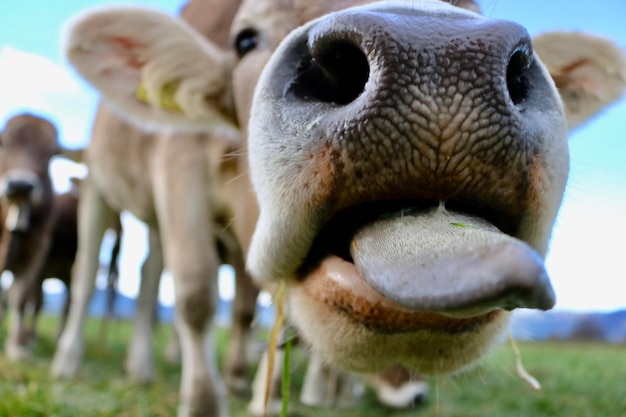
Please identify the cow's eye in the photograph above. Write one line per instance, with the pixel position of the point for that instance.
(246, 41)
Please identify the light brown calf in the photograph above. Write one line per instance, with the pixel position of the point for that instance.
(38, 234)
(181, 187)
(408, 160)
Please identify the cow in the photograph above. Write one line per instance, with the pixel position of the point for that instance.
(38, 235)
(407, 159)
(183, 194)
(34, 226)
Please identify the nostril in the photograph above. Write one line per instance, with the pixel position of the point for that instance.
(516, 81)
(19, 188)
(335, 72)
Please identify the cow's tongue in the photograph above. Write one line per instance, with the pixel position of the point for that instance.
(450, 262)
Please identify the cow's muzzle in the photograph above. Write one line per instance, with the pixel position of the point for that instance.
(387, 106)
(21, 190)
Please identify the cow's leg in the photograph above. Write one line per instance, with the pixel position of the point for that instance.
(24, 283)
(256, 407)
(65, 312)
(16, 344)
(243, 309)
(113, 274)
(139, 360)
(3, 305)
(190, 252)
(94, 216)
(37, 303)
(195, 282)
(327, 386)
(172, 349)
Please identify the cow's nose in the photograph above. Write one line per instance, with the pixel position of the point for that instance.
(404, 54)
(19, 187)
(373, 109)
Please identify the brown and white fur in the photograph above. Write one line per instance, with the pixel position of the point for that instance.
(181, 187)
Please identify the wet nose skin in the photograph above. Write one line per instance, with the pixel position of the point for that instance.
(394, 104)
(417, 102)
(433, 52)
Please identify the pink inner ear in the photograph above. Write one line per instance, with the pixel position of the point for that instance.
(127, 48)
(566, 78)
(574, 65)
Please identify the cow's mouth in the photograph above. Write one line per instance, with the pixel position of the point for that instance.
(422, 261)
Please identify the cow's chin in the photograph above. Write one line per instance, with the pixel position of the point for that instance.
(347, 322)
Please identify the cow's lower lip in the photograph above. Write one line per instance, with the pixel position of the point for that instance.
(338, 284)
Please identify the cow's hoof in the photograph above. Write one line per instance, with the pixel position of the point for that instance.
(140, 374)
(257, 408)
(17, 353)
(185, 410)
(65, 365)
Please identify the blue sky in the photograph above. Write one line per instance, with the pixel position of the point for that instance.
(586, 260)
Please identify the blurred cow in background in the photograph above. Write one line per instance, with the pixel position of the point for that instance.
(38, 234)
(182, 188)
(38, 238)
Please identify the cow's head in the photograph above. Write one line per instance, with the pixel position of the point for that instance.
(27, 144)
(408, 158)
(415, 205)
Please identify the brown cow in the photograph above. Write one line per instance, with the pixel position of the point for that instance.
(32, 223)
(38, 237)
(408, 160)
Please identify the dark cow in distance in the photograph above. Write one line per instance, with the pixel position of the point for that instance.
(38, 234)
(38, 238)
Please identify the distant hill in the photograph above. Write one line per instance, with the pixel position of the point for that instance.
(556, 325)
(526, 324)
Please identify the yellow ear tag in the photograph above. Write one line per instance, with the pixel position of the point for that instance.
(166, 96)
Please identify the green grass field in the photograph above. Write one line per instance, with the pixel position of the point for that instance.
(579, 380)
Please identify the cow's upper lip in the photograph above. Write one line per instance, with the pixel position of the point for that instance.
(503, 273)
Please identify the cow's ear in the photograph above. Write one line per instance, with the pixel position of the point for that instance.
(589, 72)
(153, 69)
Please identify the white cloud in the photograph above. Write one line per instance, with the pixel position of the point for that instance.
(31, 82)
(61, 170)
(33, 75)
(586, 257)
